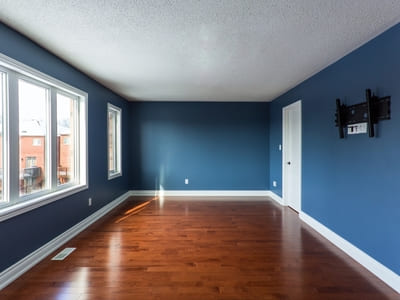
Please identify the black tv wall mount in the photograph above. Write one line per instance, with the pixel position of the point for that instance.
(370, 112)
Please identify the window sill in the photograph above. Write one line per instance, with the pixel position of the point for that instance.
(114, 175)
(24, 206)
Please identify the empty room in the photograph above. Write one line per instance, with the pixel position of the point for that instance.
(199, 149)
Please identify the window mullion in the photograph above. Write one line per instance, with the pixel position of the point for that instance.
(4, 142)
(76, 141)
(11, 169)
(53, 138)
(83, 142)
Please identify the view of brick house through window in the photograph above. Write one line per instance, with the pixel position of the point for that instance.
(34, 136)
(65, 139)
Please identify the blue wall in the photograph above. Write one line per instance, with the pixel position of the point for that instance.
(217, 146)
(350, 185)
(25, 233)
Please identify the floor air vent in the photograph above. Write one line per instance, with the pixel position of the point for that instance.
(63, 254)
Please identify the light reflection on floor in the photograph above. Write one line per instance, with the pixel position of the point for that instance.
(114, 257)
(79, 282)
(292, 248)
(134, 210)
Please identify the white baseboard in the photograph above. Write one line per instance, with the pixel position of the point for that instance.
(210, 193)
(143, 193)
(17, 269)
(386, 275)
(275, 197)
(202, 193)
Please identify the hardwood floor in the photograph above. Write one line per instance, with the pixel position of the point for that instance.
(193, 249)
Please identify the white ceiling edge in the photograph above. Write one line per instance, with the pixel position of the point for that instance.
(225, 51)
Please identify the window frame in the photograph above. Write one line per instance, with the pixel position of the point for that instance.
(117, 142)
(76, 143)
(15, 143)
(4, 135)
(13, 204)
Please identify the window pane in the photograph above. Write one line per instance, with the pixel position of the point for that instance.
(2, 98)
(111, 141)
(66, 152)
(114, 141)
(33, 125)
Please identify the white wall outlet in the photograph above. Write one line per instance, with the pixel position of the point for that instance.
(186, 180)
(274, 183)
(90, 202)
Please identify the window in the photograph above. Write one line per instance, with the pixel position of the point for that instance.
(2, 100)
(30, 161)
(33, 121)
(66, 150)
(36, 141)
(43, 141)
(114, 141)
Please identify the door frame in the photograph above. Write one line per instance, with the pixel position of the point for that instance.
(297, 107)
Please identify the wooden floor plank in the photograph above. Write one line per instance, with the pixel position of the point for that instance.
(181, 248)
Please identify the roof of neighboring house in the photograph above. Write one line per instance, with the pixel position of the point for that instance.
(38, 128)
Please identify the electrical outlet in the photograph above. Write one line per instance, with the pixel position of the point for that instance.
(186, 180)
(90, 202)
(274, 183)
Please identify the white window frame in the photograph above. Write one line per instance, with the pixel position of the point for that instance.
(4, 149)
(13, 203)
(76, 135)
(117, 143)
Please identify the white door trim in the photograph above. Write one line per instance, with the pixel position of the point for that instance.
(296, 106)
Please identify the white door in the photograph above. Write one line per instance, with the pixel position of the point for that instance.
(291, 155)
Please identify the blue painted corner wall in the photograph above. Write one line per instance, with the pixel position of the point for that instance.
(350, 185)
(25, 233)
(217, 146)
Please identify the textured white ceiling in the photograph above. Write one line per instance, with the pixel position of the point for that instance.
(194, 50)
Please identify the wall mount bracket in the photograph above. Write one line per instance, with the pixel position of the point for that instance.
(370, 112)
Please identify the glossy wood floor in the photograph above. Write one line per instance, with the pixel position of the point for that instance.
(191, 249)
